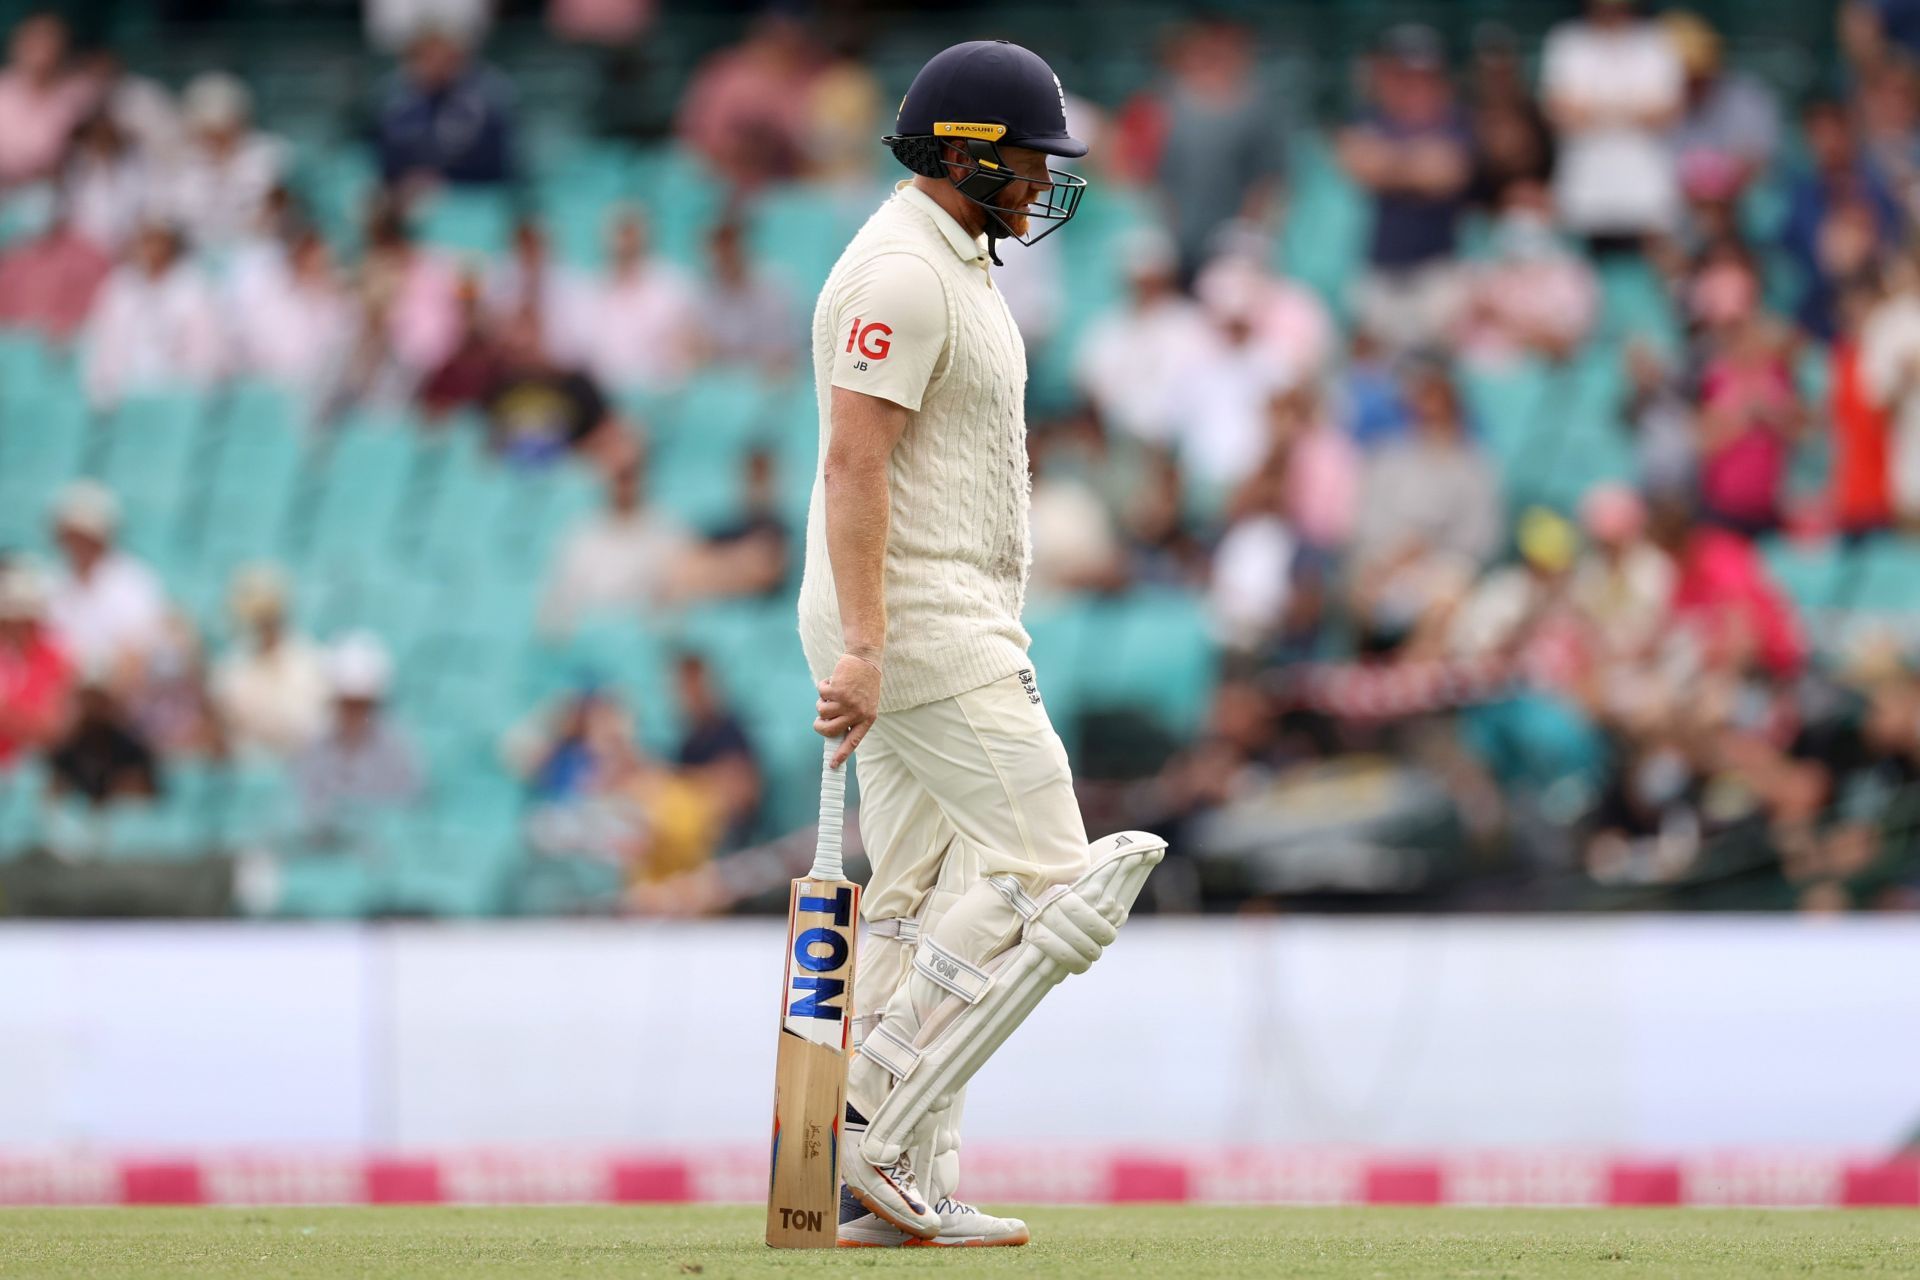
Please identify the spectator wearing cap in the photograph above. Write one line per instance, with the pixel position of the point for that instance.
(637, 323)
(1412, 153)
(1134, 365)
(272, 690)
(445, 119)
(1213, 135)
(48, 283)
(361, 762)
(1615, 88)
(36, 676)
(219, 182)
(1430, 513)
(1531, 297)
(1729, 114)
(627, 559)
(107, 609)
(156, 326)
(42, 100)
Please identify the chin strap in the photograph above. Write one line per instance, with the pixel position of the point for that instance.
(993, 249)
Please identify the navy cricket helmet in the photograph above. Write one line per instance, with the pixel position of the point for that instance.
(968, 102)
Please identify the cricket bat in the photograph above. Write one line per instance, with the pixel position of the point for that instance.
(816, 1019)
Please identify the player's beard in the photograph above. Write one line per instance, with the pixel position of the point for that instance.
(1015, 220)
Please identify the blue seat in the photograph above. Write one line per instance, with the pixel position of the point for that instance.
(366, 473)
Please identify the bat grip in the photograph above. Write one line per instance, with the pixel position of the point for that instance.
(833, 803)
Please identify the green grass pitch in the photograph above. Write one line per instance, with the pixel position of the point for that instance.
(1086, 1244)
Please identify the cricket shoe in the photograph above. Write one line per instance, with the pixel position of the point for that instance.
(889, 1192)
(961, 1226)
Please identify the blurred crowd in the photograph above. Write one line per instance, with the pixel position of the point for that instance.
(1613, 688)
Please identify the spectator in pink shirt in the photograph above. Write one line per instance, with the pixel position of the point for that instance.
(1322, 485)
(48, 283)
(41, 100)
(1724, 596)
(744, 111)
(416, 294)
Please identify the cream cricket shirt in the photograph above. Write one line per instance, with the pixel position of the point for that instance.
(910, 314)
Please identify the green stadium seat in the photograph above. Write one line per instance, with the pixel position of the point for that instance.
(325, 886)
(467, 221)
(364, 479)
(1162, 657)
(256, 806)
(22, 784)
(1811, 573)
(159, 831)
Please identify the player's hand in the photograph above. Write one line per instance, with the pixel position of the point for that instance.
(849, 703)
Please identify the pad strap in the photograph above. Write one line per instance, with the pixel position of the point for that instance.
(900, 928)
(894, 1055)
(947, 970)
(1017, 898)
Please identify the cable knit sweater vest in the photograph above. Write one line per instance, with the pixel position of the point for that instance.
(958, 550)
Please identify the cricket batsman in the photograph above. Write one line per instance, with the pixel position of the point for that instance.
(985, 891)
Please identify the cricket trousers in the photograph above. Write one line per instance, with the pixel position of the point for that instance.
(951, 792)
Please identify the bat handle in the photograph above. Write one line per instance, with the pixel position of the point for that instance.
(833, 803)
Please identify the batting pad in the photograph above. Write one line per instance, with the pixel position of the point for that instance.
(1066, 930)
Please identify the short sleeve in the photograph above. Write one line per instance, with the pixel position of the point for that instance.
(890, 325)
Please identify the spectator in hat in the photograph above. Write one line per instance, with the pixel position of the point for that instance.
(107, 608)
(219, 182)
(1133, 366)
(1615, 88)
(42, 100)
(156, 325)
(36, 676)
(360, 762)
(445, 118)
(1411, 151)
(272, 690)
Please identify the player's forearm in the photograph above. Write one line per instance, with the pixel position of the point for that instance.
(858, 513)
